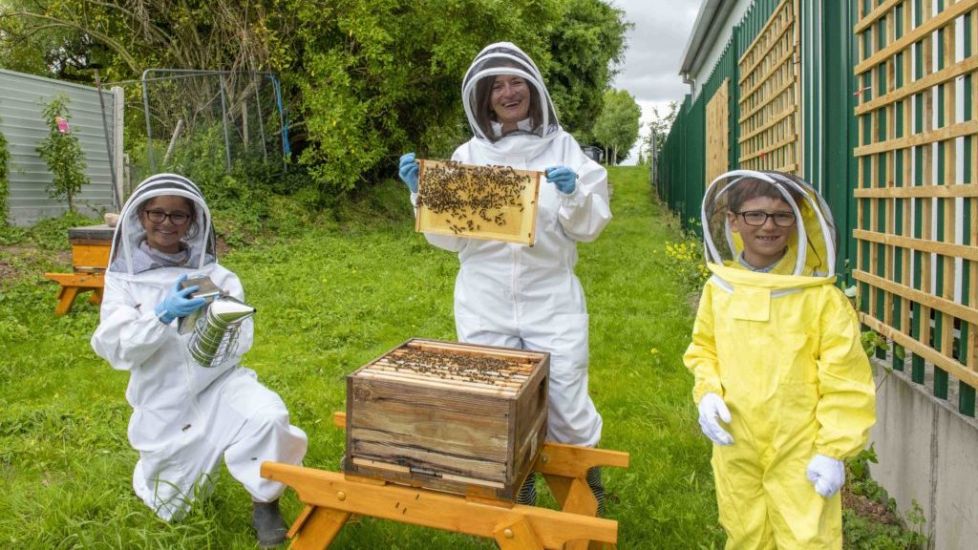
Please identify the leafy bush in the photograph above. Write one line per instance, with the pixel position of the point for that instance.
(376, 78)
(869, 517)
(62, 152)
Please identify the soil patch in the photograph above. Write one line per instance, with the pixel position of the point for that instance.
(7, 271)
(867, 508)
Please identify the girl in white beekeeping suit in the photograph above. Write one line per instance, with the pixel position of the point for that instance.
(528, 297)
(186, 417)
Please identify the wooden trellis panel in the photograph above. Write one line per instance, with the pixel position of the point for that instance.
(917, 195)
(718, 132)
(770, 95)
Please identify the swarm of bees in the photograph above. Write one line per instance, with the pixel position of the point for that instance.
(483, 369)
(469, 196)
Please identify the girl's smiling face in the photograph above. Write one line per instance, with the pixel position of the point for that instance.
(166, 220)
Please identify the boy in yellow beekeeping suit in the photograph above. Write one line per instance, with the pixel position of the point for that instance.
(783, 386)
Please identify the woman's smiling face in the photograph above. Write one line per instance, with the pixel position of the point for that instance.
(510, 99)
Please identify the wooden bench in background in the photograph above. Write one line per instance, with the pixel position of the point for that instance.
(90, 248)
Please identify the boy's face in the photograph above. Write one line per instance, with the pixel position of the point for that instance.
(764, 244)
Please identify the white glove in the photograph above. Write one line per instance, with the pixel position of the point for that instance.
(711, 406)
(826, 474)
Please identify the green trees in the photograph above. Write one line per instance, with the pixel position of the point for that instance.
(378, 78)
(659, 128)
(586, 45)
(364, 80)
(62, 153)
(617, 127)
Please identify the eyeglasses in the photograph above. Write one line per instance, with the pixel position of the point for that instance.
(159, 216)
(759, 217)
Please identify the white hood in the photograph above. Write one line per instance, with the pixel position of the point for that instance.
(499, 59)
(200, 239)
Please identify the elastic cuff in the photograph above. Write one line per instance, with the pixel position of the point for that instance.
(573, 198)
(162, 315)
(830, 453)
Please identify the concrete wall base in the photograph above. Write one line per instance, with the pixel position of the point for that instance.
(928, 454)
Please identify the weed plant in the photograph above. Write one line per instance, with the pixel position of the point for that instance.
(871, 519)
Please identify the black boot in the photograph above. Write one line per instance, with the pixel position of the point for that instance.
(528, 491)
(267, 521)
(597, 488)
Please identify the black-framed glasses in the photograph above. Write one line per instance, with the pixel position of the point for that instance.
(159, 216)
(759, 217)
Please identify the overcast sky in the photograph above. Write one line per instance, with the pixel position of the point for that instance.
(655, 46)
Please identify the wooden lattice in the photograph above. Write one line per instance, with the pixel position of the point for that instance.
(717, 132)
(917, 196)
(769, 95)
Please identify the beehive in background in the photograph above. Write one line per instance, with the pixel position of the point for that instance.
(90, 247)
(480, 202)
(452, 417)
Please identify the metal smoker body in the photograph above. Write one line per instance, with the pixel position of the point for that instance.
(215, 335)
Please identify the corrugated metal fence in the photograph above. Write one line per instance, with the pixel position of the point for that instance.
(22, 98)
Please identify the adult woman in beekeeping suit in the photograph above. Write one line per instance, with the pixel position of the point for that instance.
(186, 417)
(776, 356)
(528, 297)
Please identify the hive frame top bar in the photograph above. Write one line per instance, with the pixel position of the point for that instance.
(506, 387)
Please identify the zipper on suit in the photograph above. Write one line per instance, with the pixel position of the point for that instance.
(515, 283)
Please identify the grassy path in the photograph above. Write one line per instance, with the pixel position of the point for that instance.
(328, 301)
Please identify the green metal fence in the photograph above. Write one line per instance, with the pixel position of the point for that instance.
(910, 196)
(682, 175)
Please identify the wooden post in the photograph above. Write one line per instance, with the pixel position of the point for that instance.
(118, 153)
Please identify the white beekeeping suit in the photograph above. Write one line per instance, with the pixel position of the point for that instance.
(528, 297)
(185, 417)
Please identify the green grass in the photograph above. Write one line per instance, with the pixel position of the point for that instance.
(330, 298)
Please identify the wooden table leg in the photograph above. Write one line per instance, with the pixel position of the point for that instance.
(572, 494)
(517, 535)
(316, 527)
(66, 297)
(96, 297)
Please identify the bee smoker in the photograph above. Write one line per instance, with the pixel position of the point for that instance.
(215, 325)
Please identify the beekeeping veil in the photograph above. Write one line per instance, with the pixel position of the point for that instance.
(499, 59)
(200, 239)
(814, 225)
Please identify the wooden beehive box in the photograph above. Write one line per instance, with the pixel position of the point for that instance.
(90, 247)
(479, 202)
(452, 417)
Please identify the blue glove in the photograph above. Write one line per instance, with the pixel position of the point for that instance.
(563, 178)
(408, 171)
(178, 303)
